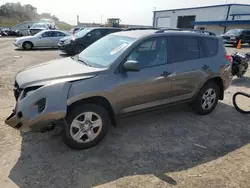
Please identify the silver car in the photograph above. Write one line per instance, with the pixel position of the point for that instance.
(121, 73)
(43, 39)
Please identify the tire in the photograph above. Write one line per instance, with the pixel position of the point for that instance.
(78, 49)
(79, 132)
(208, 89)
(27, 45)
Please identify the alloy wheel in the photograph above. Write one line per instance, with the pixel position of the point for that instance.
(86, 127)
(208, 99)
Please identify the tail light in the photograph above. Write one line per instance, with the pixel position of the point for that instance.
(229, 58)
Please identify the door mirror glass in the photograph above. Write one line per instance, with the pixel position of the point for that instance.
(131, 65)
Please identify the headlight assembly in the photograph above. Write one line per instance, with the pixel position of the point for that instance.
(28, 91)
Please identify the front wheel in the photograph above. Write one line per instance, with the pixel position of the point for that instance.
(86, 126)
(207, 99)
(27, 45)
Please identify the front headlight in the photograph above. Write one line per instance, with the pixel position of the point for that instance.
(232, 38)
(28, 91)
(68, 42)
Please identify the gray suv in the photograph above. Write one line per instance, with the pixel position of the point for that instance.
(119, 74)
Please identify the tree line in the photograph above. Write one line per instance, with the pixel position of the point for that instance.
(23, 12)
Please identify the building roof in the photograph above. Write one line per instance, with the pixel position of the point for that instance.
(211, 6)
(222, 22)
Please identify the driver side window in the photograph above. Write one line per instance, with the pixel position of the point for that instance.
(150, 53)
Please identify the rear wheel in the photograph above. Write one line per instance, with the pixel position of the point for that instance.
(86, 126)
(207, 99)
(27, 45)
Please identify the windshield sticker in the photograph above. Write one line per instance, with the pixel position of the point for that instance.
(118, 48)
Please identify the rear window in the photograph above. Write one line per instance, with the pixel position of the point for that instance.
(210, 46)
(183, 48)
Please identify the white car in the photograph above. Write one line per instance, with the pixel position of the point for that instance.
(43, 39)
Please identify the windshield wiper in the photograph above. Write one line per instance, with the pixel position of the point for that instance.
(78, 59)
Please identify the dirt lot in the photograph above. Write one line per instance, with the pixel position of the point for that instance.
(164, 148)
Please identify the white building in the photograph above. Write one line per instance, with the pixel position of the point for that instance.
(216, 18)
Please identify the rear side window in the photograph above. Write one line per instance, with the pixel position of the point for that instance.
(210, 46)
(183, 48)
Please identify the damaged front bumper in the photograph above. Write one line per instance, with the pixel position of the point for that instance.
(40, 109)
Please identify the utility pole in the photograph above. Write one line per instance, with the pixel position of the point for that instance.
(77, 18)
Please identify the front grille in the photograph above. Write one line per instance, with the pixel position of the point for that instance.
(41, 105)
(224, 37)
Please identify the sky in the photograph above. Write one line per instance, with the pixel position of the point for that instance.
(139, 12)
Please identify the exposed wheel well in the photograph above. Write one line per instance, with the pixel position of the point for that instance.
(98, 100)
(219, 82)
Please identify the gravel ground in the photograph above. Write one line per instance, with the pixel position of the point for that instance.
(163, 148)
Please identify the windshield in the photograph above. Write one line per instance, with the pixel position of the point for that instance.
(234, 32)
(104, 52)
(82, 33)
(39, 25)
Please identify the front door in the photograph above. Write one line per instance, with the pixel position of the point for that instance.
(151, 85)
(93, 36)
(44, 40)
(246, 36)
(56, 36)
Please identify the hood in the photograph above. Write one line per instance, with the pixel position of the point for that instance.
(230, 35)
(60, 70)
(24, 38)
(66, 38)
(37, 28)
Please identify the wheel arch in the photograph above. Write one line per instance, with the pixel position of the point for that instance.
(219, 82)
(98, 100)
(27, 42)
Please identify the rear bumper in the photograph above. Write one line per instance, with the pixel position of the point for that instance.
(227, 77)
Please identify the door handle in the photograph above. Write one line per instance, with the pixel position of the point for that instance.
(165, 74)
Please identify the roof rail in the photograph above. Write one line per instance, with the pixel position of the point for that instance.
(139, 28)
(190, 30)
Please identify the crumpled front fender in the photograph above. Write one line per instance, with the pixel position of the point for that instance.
(27, 117)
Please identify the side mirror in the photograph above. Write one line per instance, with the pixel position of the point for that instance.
(89, 35)
(131, 66)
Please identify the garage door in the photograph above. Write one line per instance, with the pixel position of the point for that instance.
(163, 22)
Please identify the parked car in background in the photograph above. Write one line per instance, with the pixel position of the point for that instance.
(234, 35)
(50, 22)
(10, 32)
(37, 27)
(76, 29)
(82, 39)
(43, 39)
(121, 73)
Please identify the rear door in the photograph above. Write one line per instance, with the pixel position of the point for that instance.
(186, 65)
(56, 36)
